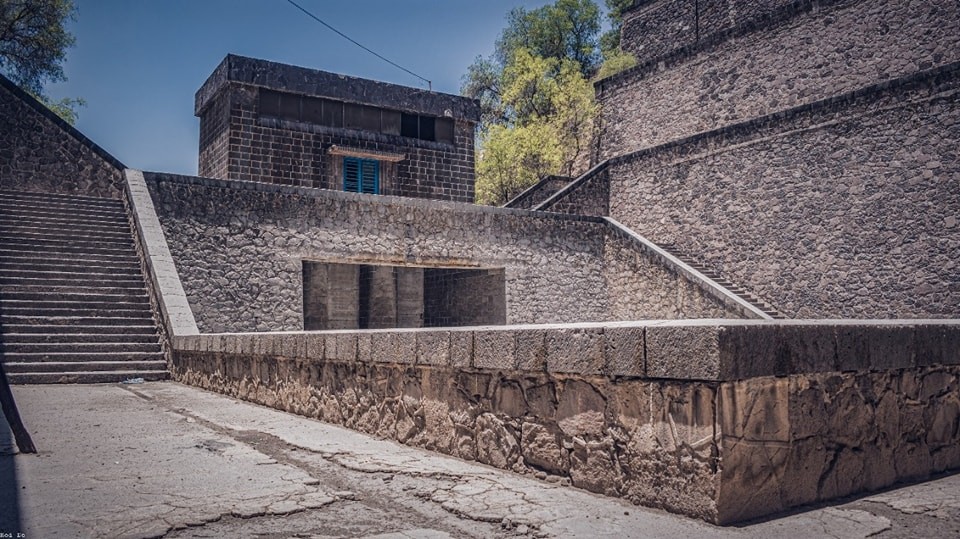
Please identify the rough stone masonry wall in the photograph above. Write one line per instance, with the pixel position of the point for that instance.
(692, 417)
(849, 209)
(815, 55)
(238, 247)
(656, 27)
(40, 152)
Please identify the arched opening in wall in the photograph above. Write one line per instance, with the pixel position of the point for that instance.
(377, 296)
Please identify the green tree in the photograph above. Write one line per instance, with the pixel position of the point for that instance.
(536, 99)
(33, 45)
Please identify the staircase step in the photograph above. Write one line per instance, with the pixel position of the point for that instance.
(9, 194)
(15, 276)
(16, 291)
(26, 252)
(85, 366)
(133, 318)
(74, 216)
(128, 309)
(76, 338)
(51, 351)
(20, 237)
(139, 329)
(53, 223)
(40, 264)
(81, 357)
(103, 204)
(71, 295)
(105, 377)
(83, 304)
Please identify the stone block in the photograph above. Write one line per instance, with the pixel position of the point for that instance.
(623, 352)
(383, 347)
(531, 350)
(405, 346)
(683, 352)
(315, 346)
(461, 348)
(493, 349)
(575, 351)
(874, 347)
(364, 347)
(344, 347)
(757, 409)
(806, 349)
(433, 347)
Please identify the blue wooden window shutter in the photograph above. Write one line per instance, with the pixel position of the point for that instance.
(361, 175)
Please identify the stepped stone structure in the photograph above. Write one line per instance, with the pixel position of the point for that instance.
(749, 303)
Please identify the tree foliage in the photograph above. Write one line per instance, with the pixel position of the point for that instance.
(33, 45)
(536, 96)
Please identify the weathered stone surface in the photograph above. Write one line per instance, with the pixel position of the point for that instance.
(42, 153)
(575, 350)
(624, 352)
(495, 350)
(683, 352)
(433, 347)
(844, 221)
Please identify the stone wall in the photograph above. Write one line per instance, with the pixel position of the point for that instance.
(844, 209)
(654, 28)
(238, 141)
(239, 247)
(754, 71)
(722, 422)
(539, 192)
(42, 153)
(587, 195)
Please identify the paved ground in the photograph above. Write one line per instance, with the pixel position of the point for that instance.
(162, 459)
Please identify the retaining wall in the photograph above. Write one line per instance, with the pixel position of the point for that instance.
(845, 208)
(239, 248)
(812, 51)
(719, 420)
(40, 152)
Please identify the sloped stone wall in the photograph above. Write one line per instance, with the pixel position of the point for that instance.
(846, 209)
(818, 53)
(40, 152)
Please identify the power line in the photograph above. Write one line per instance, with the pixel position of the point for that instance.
(351, 40)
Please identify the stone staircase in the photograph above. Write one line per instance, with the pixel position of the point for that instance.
(720, 280)
(73, 300)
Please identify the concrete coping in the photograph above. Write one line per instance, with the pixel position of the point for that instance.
(711, 350)
(172, 300)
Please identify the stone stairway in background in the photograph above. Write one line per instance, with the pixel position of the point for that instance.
(73, 300)
(720, 280)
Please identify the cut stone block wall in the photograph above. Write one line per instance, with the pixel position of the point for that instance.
(239, 246)
(40, 152)
(845, 209)
(826, 49)
(719, 420)
(237, 142)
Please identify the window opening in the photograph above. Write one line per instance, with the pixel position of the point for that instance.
(361, 175)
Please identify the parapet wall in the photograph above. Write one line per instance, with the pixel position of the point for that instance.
(40, 152)
(721, 420)
(844, 208)
(815, 50)
(239, 248)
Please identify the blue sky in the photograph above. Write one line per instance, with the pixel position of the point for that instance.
(138, 63)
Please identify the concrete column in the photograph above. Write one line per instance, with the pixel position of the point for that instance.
(382, 302)
(409, 297)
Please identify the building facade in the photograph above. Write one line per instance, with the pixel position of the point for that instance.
(274, 123)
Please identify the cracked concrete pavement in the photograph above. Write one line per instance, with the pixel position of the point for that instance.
(167, 460)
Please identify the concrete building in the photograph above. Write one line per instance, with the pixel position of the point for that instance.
(765, 160)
